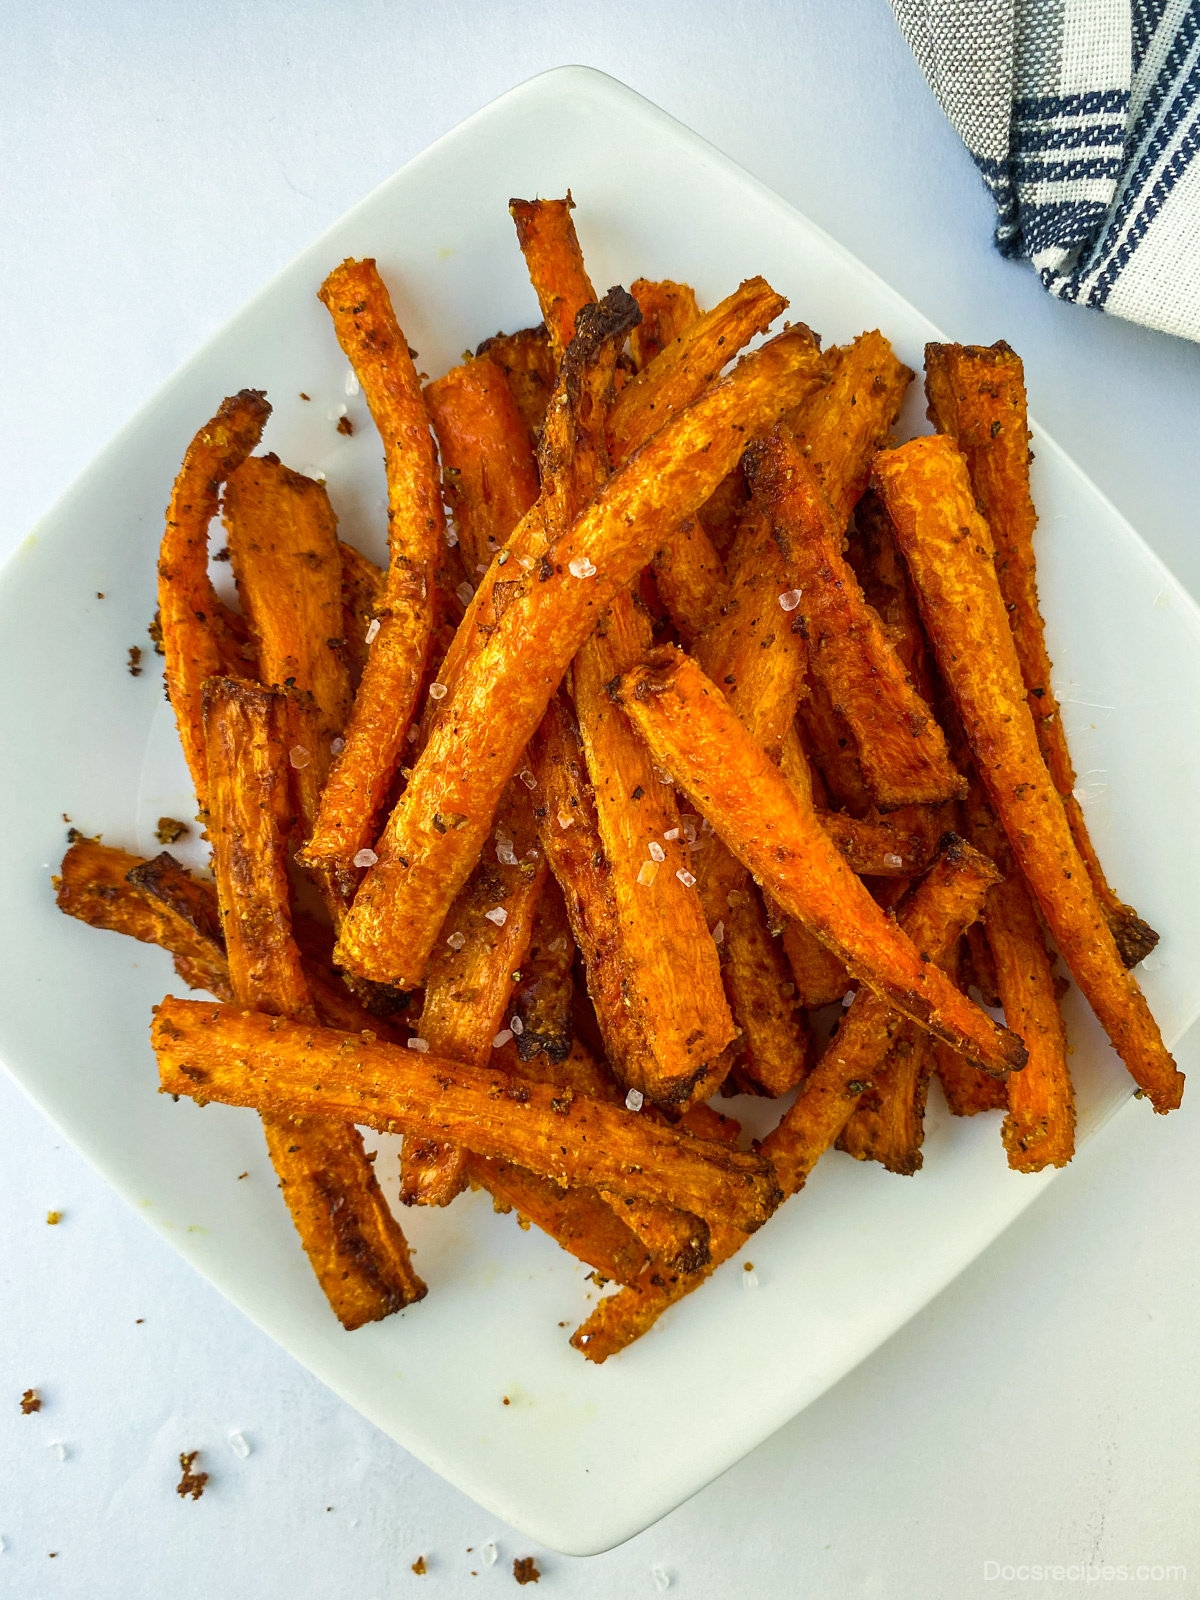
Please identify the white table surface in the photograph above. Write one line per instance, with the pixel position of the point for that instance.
(160, 163)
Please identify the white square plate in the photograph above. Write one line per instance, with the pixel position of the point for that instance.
(582, 1457)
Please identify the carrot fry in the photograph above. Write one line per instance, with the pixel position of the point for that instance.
(506, 677)
(667, 309)
(967, 1088)
(670, 964)
(691, 731)
(843, 425)
(94, 885)
(198, 636)
(977, 397)
(1039, 1130)
(677, 1239)
(352, 1240)
(981, 967)
(888, 1124)
(214, 1052)
(548, 242)
(949, 897)
(833, 748)
(776, 1048)
(362, 590)
(526, 360)
(900, 746)
(879, 567)
(542, 993)
(487, 463)
(950, 556)
(362, 774)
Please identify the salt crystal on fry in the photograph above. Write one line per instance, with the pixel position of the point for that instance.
(420, 1045)
(648, 872)
(686, 878)
(299, 757)
(365, 858)
(634, 1100)
(657, 853)
(501, 1038)
(438, 691)
(456, 941)
(791, 599)
(498, 915)
(373, 631)
(581, 567)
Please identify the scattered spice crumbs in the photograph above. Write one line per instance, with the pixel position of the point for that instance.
(170, 830)
(192, 1483)
(345, 425)
(135, 660)
(747, 1266)
(53, 1218)
(507, 1401)
(242, 1175)
(524, 1570)
(222, 554)
(99, 595)
(31, 1401)
(419, 1567)
(304, 396)
(140, 1319)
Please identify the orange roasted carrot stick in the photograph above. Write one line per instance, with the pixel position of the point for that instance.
(667, 309)
(948, 548)
(549, 244)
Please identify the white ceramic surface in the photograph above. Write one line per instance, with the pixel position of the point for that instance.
(581, 1457)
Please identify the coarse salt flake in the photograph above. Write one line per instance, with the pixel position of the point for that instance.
(718, 933)
(413, 734)
(893, 861)
(482, 566)
(420, 1045)
(663, 775)
(686, 878)
(528, 779)
(299, 756)
(647, 872)
(657, 853)
(58, 1451)
(465, 592)
(438, 691)
(351, 385)
(517, 1026)
(671, 833)
(791, 599)
(456, 941)
(336, 746)
(581, 567)
(750, 1280)
(501, 1038)
(373, 631)
(498, 915)
(558, 946)
(662, 1579)
(489, 1553)
(848, 999)
(634, 1100)
(565, 820)
(240, 1445)
(451, 537)
(365, 858)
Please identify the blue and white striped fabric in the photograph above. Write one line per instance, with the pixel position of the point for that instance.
(1084, 118)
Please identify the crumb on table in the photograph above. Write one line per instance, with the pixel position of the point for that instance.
(170, 830)
(524, 1570)
(191, 1483)
(31, 1401)
(53, 1218)
(135, 660)
(419, 1567)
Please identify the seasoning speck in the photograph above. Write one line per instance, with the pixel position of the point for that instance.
(135, 660)
(634, 1100)
(373, 631)
(345, 426)
(581, 567)
(790, 599)
(365, 858)
(419, 1567)
(169, 830)
(31, 1401)
(54, 1218)
(524, 1570)
(191, 1483)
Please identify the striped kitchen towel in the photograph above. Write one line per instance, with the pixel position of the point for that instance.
(1084, 118)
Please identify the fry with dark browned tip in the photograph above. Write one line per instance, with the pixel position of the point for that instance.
(358, 786)
(667, 309)
(949, 551)
(888, 1124)
(198, 638)
(977, 397)
(214, 1052)
(900, 746)
(549, 244)
(506, 677)
(694, 734)
(528, 363)
(355, 1245)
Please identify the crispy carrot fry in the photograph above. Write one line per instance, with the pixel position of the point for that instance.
(967, 1088)
(819, 976)
(570, 836)
(949, 552)
(878, 565)
(981, 966)
(577, 1219)
(827, 737)
(488, 465)
(362, 590)
(888, 1124)
(667, 309)
(690, 729)
(689, 365)
(362, 774)
(191, 905)
(843, 425)
(677, 1239)
(776, 1048)
(977, 397)
(900, 747)
(352, 1240)
(215, 1052)
(542, 995)
(547, 238)
(198, 638)
(951, 895)
(1039, 1130)
(526, 360)
(94, 886)
(670, 963)
(721, 514)
(506, 677)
